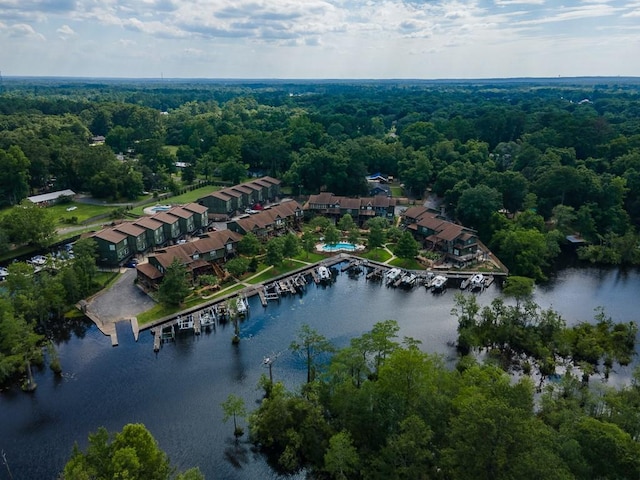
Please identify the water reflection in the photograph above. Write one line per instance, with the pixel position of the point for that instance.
(178, 391)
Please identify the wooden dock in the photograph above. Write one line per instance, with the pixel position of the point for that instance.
(262, 293)
(197, 327)
(157, 340)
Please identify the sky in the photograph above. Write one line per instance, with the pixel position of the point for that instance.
(320, 39)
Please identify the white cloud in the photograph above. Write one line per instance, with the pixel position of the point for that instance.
(65, 32)
(22, 30)
(327, 38)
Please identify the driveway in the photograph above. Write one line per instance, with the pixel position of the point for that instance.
(121, 301)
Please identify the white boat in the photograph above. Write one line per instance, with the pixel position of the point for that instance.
(241, 306)
(38, 260)
(476, 282)
(392, 275)
(439, 283)
(207, 317)
(408, 280)
(324, 274)
(4, 273)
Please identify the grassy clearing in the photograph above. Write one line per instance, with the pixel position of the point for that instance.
(377, 254)
(309, 257)
(407, 263)
(187, 197)
(82, 212)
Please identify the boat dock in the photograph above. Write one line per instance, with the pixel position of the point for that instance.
(221, 309)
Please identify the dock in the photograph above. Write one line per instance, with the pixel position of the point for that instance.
(263, 296)
(157, 341)
(375, 274)
(196, 324)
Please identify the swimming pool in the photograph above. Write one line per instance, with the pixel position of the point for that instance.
(160, 208)
(340, 247)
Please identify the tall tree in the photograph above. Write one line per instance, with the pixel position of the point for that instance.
(175, 284)
(311, 345)
(132, 453)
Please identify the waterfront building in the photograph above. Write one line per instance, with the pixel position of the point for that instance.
(361, 209)
(273, 220)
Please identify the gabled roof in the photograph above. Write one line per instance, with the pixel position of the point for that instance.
(149, 271)
(164, 217)
(110, 235)
(415, 212)
(149, 223)
(195, 208)
(271, 180)
(180, 212)
(324, 198)
(130, 229)
(242, 189)
(210, 242)
(450, 231)
(220, 195)
(431, 222)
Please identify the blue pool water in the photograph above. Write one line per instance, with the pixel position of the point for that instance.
(161, 208)
(338, 247)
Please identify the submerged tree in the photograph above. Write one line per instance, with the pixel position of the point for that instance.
(311, 345)
(234, 407)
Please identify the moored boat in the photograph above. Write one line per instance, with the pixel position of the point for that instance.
(324, 274)
(439, 283)
(476, 282)
(392, 275)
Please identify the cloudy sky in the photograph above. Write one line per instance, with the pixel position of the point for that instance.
(377, 39)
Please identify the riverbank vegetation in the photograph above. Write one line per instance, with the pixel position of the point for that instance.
(381, 408)
(33, 308)
(132, 453)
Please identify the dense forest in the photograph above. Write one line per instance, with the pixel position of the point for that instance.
(525, 163)
(382, 408)
(553, 157)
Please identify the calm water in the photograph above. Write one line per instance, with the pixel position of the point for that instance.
(177, 392)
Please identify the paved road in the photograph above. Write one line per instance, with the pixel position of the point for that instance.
(121, 301)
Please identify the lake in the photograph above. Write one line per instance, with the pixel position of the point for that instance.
(177, 392)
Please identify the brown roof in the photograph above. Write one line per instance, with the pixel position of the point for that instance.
(130, 229)
(180, 212)
(271, 180)
(195, 208)
(351, 203)
(148, 222)
(253, 186)
(415, 212)
(110, 235)
(324, 198)
(450, 231)
(230, 192)
(432, 223)
(149, 271)
(243, 189)
(164, 217)
(220, 195)
(210, 242)
(262, 183)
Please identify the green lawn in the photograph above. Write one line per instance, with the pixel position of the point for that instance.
(407, 263)
(81, 212)
(310, 257)
(187, 197)
(396, 191)
(377, 254)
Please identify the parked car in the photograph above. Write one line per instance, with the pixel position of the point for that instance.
(133, 263)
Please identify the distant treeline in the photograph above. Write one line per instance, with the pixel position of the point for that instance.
(554, 156)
